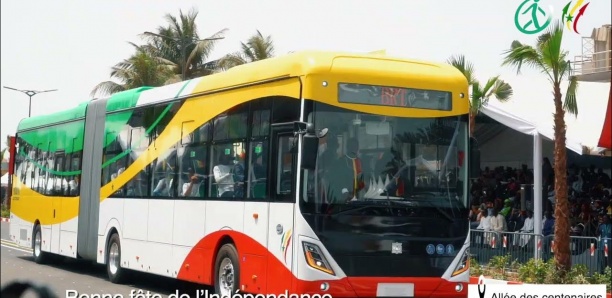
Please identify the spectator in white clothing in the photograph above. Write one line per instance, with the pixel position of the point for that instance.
(523, 239)
(498, 221)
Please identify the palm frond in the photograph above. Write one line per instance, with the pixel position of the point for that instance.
(464, 66)
(476, 98)
(549, 47)
(203, 48)
(230, 60)
(502, 91)
(261, 46)
(570, 104)
(106, 88)
(519, 55)
(488, 87)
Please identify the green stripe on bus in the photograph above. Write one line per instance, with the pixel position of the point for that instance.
(119, 156)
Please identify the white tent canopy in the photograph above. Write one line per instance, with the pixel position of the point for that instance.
(525, 127)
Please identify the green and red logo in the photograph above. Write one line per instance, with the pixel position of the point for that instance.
(531, 18)
(571, 17)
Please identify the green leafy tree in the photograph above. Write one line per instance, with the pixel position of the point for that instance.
(257, 47)
(179, 43)
(495, 87)
(143, 68)
(548, 57)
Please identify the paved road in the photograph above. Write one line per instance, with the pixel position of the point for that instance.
(64, 275)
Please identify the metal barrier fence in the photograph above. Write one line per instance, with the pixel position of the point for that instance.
(592, 252)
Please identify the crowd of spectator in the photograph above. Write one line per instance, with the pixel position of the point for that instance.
(497, 205)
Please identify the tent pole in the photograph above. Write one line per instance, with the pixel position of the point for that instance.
(537, 192)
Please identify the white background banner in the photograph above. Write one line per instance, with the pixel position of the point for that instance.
(536, 291)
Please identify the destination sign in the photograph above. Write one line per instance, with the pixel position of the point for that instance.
(395, 97)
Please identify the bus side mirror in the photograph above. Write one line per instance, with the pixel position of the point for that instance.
(474, 164)
(310, 143)
(310, 151)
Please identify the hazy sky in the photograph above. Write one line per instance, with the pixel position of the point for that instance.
(71, 45)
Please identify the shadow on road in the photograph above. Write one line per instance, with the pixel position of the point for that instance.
(136, 280)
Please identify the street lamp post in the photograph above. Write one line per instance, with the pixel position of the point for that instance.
(30, 93)
(184, 43)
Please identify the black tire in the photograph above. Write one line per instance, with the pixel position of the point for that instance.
(227, 266)
(116, 274)
(40, 256)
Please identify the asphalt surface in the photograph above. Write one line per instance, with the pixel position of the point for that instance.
(87, 279)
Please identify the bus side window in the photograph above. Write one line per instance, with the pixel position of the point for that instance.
(59, 182)
(192, 171)
(139, 141)
(258, 172)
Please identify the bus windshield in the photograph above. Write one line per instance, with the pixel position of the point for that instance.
(368, 160)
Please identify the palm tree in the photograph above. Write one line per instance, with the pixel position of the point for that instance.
(143, 68)
(548, 57)
(480, 96)
(257, 47)
(180, 44)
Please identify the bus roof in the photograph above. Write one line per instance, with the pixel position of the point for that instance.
(290, 65)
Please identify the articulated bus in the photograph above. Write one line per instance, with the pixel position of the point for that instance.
(311, 173)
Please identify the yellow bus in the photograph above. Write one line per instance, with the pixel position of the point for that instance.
(335, 174)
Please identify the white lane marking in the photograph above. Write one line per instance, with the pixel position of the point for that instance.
(13, 246)
(18, 249)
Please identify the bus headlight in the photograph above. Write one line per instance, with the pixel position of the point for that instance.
(315, 258)
(464, 263)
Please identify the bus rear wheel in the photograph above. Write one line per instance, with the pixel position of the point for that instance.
(40, 256)
(116, 274)
(227, 271)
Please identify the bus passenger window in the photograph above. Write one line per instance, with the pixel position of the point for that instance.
(228, 170)
(192, 171)
(163, 174)
(258, 170)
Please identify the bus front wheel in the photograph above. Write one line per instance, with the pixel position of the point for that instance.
(227, 271)
(39, 255)
(116, 274)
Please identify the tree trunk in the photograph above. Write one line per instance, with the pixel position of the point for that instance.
(472, 123)
(562, 226)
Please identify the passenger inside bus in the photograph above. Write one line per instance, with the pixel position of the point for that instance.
(222, 173)
(163, 189)
(345, 174)
(239, 175)
(191, 188)
(329, 155)
(73, 185)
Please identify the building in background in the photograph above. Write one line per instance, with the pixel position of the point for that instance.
(594, 65)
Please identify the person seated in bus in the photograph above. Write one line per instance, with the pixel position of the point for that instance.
(350, 171)
(223, 176)
(163, 187)
(74, 185)
(192, 187)
(239, 175)
(327, 162)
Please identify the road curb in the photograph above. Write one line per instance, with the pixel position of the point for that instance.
(4, 219)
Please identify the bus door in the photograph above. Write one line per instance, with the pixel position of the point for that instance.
(283, 157)
(55, 188)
